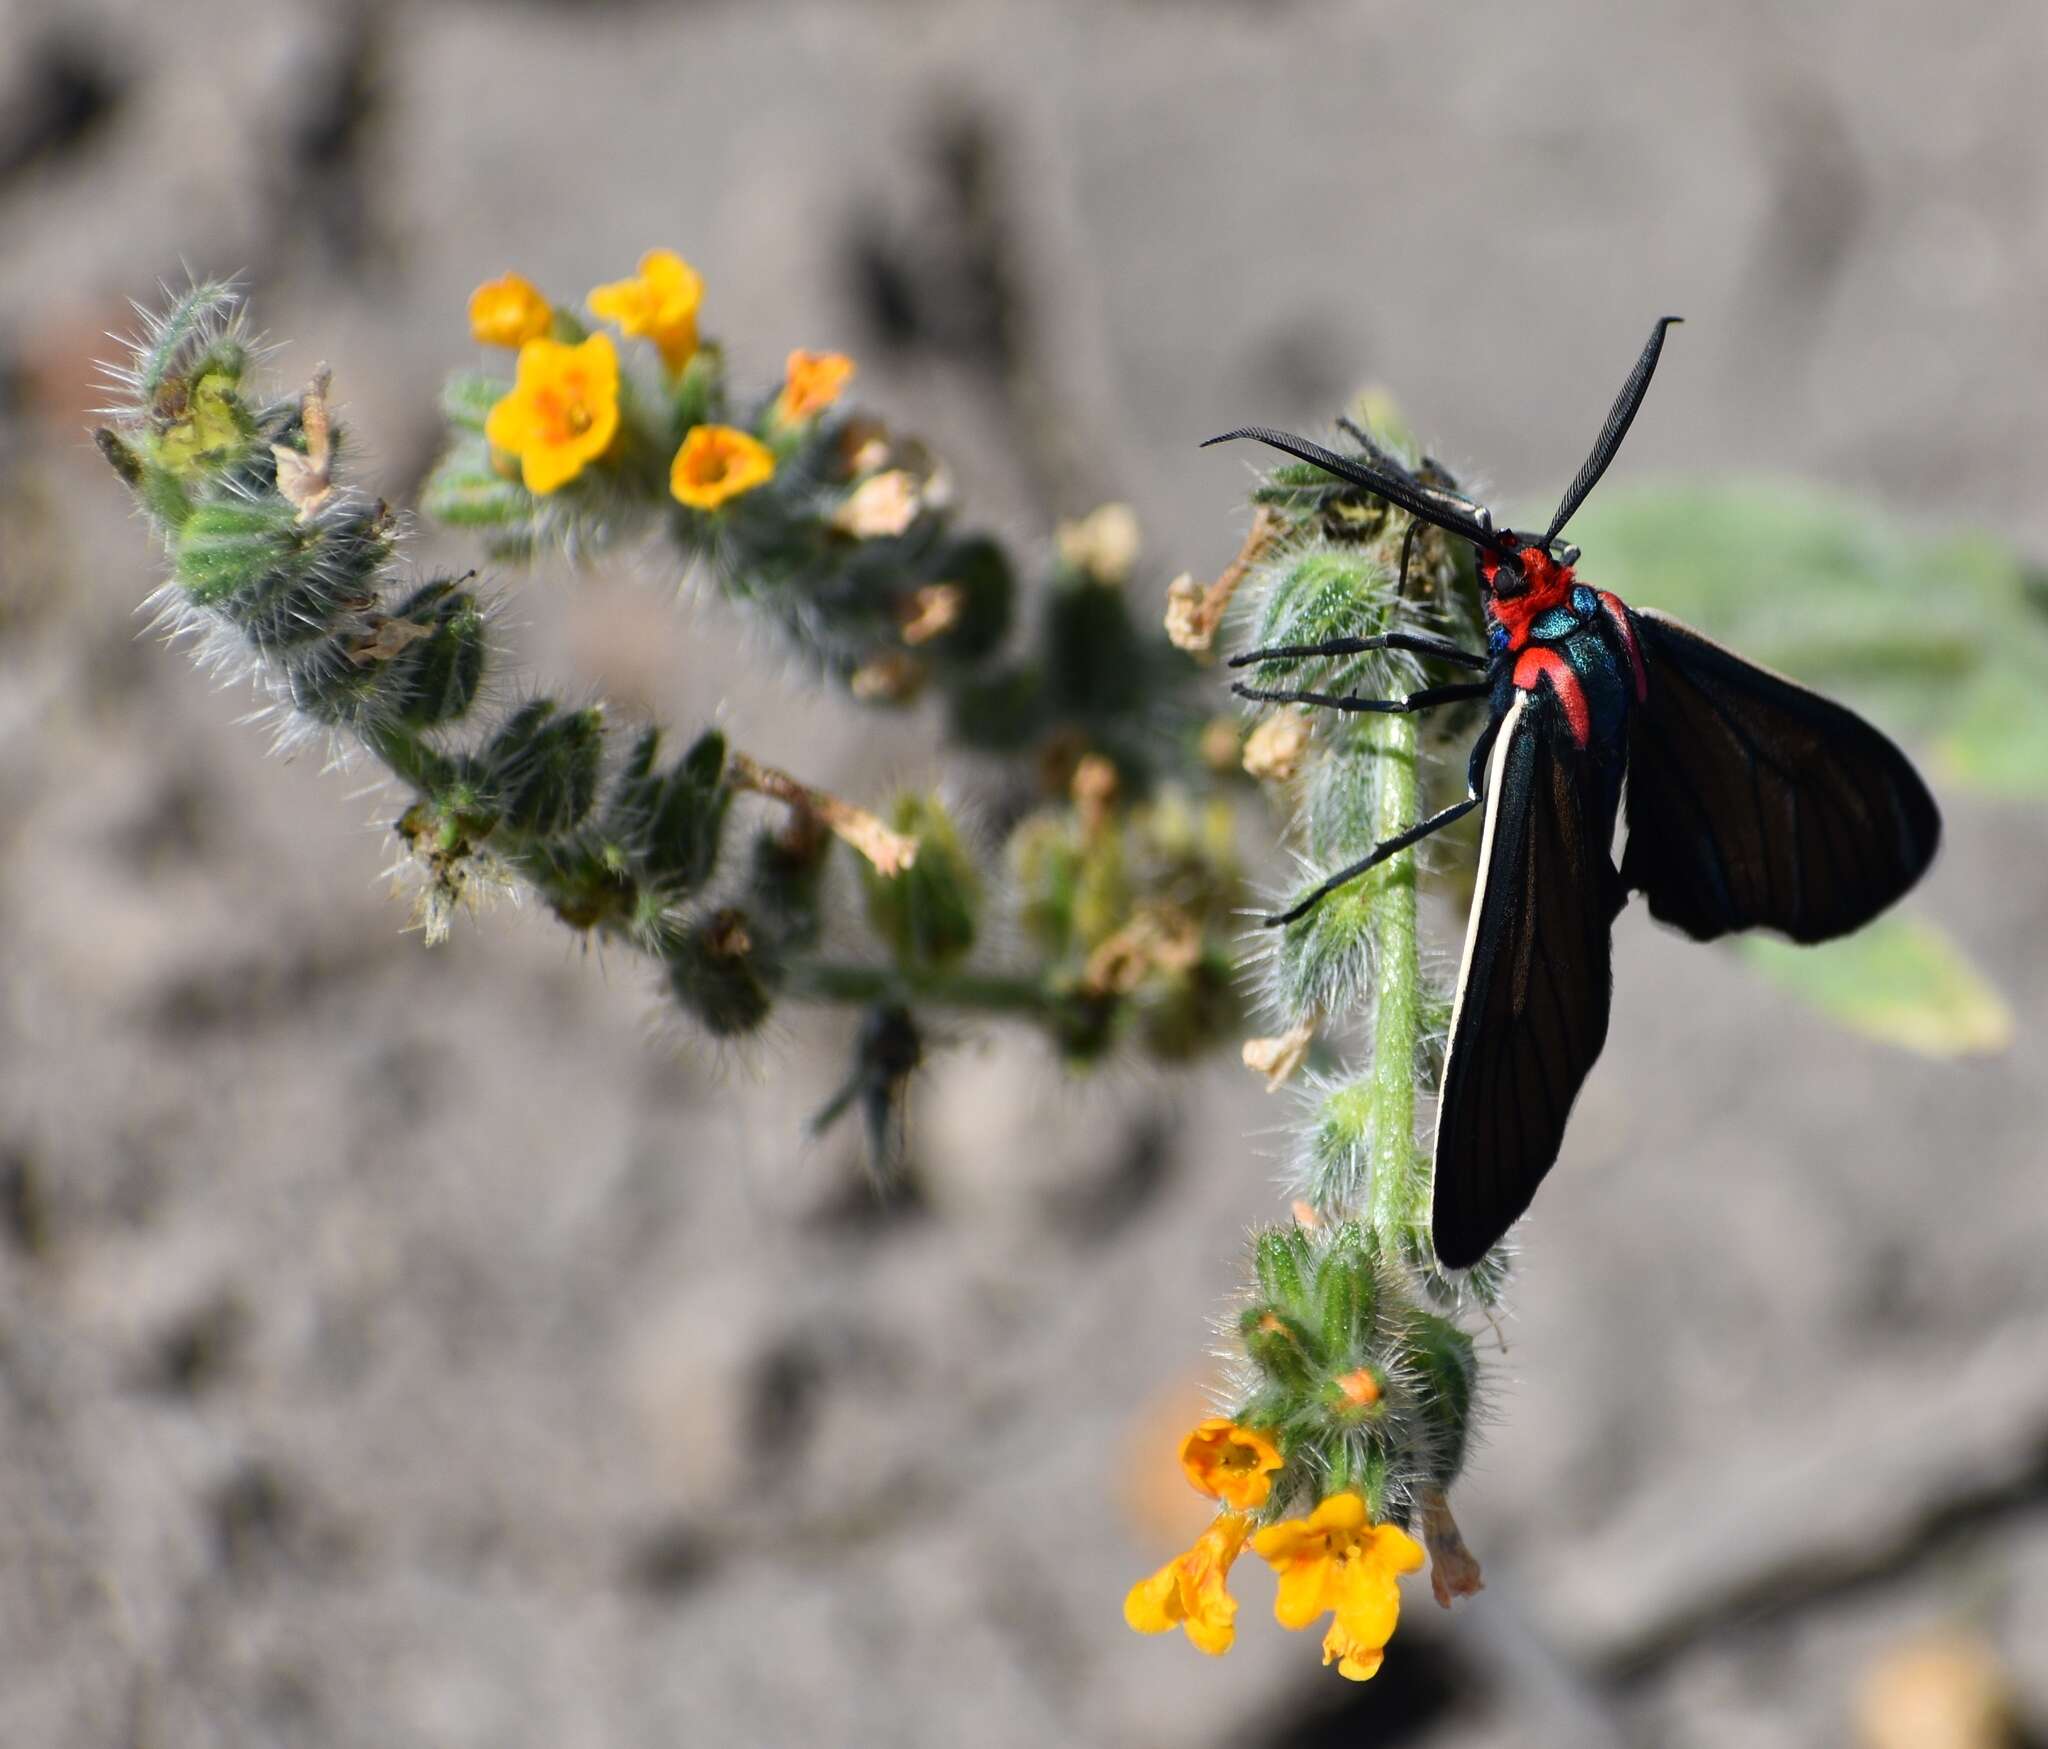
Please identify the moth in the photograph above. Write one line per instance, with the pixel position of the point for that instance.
(1751, 803)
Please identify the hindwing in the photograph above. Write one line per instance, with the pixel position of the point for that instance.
(1754, 803)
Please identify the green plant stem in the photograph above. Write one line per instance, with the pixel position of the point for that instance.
(990, 993)
(1396, 1187)
(406, 755)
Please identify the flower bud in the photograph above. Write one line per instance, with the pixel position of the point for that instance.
(926, 912)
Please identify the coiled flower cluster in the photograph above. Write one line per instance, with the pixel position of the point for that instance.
(1112, 897)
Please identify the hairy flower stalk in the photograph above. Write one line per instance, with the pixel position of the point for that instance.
(619, 422)
(1397, 1182)
(1351, 1370)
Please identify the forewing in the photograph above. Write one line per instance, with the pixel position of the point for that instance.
(1754, 803)
(1531, 1013)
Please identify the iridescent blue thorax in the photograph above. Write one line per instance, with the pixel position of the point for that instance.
(1578, 645)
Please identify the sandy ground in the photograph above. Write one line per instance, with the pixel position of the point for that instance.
(404, 1347)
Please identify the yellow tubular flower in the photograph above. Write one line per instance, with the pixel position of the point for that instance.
(659, 305)
(1190, 1591)
(562, 413)
(1335, 1560)
(508, 311)
(1356, 1660)
(1232, 1463)
(812, 383)
(718, 462)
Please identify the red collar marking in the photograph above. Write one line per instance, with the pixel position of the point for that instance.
(1541, 663)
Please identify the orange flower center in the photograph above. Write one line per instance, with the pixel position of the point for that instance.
(564, 410)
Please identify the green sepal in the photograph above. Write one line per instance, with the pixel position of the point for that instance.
(435, 679)
(281, 582)
(1096, 661)
(543, 767)
(466, 491)
(723, 971)
(468, 396)
(1449, 1366)
(1046, 856)
(190, 322)
(1369, 1473)
(426, 768)
(672, 822)
(998, 712)
(583, 888)
(162, 493)
(1281, 1347)
(227, 547)
(455, 813)
(164, 497)
(786, 881)
(979, 569)
(1346, 1290)
(1281, 1260)
(696, 396)
(1181, 1013)
(326, 684)
(1083, 1025)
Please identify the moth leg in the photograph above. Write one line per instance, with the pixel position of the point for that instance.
(1427, 699)
(1372, 858)
(1415, 643)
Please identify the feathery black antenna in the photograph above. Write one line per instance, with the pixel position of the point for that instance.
(1619, 418)
(1413, 497)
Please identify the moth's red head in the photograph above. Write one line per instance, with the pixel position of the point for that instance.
(1515, 596)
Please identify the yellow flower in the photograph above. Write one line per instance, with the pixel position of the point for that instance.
(1334, 1560)
(661, 305)
(1233, 1463)
(1359, 1660)
(1190, 1591)
(508, 311)
(812, 384)
(562, 413)
(718, 462)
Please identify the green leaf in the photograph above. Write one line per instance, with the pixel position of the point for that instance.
(467, 398)
(465, 491)
(1998, 740)
(1902, 979)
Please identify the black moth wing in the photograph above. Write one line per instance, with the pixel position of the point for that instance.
(1531, 1014)
(1754, 803)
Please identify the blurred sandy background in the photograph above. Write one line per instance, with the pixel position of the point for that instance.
(428, 1348)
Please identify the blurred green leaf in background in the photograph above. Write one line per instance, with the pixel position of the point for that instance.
(1941, 638)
